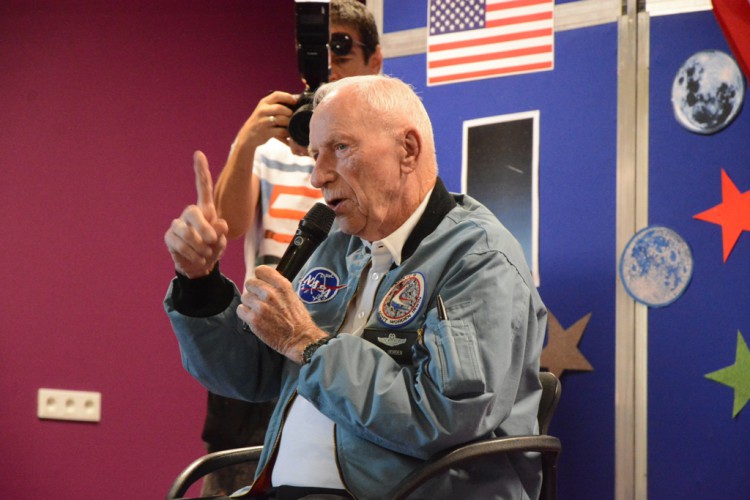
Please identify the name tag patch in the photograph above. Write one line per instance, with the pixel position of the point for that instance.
(319, 285)
(397, 344)
(403, 301)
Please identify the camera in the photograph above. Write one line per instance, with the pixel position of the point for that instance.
(312, 33)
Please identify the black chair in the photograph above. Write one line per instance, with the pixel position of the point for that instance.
(548, 446)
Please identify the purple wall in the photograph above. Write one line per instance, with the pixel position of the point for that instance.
(101, 107)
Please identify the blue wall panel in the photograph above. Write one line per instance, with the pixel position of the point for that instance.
(577, 165)
(406, 15)
(696, 450)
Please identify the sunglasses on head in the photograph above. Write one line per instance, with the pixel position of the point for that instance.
(341, 43)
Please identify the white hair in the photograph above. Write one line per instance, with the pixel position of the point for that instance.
(392, 101)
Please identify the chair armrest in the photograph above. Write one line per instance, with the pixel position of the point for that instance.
(209, 463)
(548, 446)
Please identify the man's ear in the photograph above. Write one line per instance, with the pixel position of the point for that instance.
(375, 63)
(412, 149)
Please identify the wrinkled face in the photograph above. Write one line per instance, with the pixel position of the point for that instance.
(358, 166)
(353, 63)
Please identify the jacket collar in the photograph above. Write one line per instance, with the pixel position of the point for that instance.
(441, 202)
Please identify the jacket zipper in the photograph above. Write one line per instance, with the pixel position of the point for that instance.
(335, 426)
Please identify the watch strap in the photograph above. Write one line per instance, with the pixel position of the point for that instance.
(313, 346)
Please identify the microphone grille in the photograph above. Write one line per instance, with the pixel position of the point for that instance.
(320, 216)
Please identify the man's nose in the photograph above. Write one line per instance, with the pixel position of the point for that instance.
(321, 174)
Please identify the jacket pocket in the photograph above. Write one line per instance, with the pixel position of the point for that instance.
(456, 368)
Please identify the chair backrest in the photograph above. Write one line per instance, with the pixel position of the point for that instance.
(489, 449)
(551, 391)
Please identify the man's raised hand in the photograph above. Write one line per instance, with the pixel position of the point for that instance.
(197, 239)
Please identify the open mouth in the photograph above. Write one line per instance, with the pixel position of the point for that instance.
(335, 202)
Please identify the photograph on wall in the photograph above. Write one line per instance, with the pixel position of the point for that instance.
(500, 168)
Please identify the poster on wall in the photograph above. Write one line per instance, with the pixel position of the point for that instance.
(500, 168)
(476, 39)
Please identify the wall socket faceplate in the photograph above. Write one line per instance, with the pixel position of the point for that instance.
(61, 404)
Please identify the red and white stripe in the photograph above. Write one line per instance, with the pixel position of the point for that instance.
(518, 37)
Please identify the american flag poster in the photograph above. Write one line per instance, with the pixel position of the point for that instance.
(475, 39)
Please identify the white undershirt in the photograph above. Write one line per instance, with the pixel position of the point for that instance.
(306, 454)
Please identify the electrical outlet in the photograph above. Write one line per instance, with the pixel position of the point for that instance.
(60, 404)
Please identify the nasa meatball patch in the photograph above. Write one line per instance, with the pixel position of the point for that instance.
(403, 301)
(319, 285)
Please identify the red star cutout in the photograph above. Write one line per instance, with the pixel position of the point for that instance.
(561, 352)
(732, 214)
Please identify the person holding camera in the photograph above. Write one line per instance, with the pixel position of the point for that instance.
(265, 185)
(413, 328)
(262, 192)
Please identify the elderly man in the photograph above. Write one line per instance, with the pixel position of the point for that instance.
(422, 331)
(262, 192)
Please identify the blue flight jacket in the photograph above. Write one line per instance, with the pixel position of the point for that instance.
(413, 384)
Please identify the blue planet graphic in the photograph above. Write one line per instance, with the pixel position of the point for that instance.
(656, 266)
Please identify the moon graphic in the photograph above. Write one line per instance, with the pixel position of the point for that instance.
(656, 266)
(707, 92)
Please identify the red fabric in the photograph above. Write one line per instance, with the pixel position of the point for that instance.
(734, 19)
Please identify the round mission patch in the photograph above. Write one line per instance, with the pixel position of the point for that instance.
(403, 301)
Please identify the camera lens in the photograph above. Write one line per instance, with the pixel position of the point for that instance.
(299, 123)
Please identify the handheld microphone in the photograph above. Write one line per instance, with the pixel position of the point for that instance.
(312, 230)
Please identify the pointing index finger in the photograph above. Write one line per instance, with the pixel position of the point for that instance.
(204, 185)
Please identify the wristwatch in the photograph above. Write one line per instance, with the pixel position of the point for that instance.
(312, 347)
